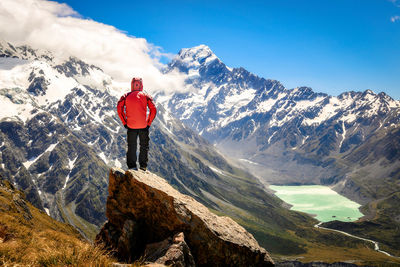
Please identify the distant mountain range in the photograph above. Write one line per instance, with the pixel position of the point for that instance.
(287, 136)
(59, 133)
(294, 136)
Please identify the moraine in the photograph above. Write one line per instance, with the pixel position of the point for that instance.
(319, 200)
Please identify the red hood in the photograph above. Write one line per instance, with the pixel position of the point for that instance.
(141, 83)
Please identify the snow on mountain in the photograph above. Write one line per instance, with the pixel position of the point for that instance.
(58, 127)
(223, 97)
(59, 130)
(288, 133)
(47, 80)
(195, 57)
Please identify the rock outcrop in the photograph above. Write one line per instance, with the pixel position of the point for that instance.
(171, 252)
(144, 209)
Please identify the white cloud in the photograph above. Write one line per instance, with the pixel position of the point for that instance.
(58, 28)
(394, 18)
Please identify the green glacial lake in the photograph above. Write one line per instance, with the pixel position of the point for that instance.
(322, 201)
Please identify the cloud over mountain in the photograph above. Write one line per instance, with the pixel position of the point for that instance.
(58, 28)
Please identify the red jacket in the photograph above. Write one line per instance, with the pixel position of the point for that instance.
(132, 109)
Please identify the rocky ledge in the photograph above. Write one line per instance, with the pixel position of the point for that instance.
(149, 219)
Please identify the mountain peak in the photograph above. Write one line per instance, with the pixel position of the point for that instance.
(198, 54)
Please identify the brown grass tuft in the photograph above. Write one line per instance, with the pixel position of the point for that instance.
(42, 241)
(51, 248)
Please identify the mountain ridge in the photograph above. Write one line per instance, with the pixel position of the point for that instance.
(262, 113)
(60, 145)
(54, 159)
(349, 142)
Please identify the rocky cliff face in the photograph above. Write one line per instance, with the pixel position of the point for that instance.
(142, 209)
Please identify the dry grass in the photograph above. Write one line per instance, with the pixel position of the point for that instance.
(42, 241)
(43, 254)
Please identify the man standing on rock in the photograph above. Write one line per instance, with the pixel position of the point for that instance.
(132, 110)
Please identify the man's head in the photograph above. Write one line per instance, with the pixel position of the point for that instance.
(137, 84)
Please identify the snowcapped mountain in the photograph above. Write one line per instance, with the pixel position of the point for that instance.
(42, 150)
(223, 96)
(60, 134)
(296, 136)
(282, 135)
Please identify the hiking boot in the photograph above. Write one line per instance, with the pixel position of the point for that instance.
(143, 168)
(134, 168)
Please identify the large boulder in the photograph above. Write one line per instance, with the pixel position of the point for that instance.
(143, 208)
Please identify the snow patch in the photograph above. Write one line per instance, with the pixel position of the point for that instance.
(238, 100)
(305, 104)
(92, 143)
(66, 181)
(71, 163)
(325, 113)
(31, 161)
(14, 79)
(248, 161)
(103, 157)
(193, 73)
(216, 170)
(51, 147)
(59, 85)
(193, 56)
(269, 139)
(117, 163)
(16, 103)
(343, 135)
(349, 117)
(95, 79)
(267, 105)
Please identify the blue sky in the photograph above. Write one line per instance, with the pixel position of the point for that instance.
(330, 45)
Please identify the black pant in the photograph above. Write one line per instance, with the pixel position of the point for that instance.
(132, 144)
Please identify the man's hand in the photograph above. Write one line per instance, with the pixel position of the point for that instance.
(126, 126)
